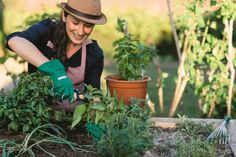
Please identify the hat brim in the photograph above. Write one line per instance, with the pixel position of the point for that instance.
(99, 21)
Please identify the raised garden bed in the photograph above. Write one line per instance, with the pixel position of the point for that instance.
(165, 130)
(169, 126)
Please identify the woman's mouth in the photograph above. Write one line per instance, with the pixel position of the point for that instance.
(78, 37)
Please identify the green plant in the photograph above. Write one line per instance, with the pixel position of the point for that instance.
(207, 62)
(35, 139)
(131, 55)
(125, 135)
(195, 148)
(97, 107)
(27, 106)
(194, 129)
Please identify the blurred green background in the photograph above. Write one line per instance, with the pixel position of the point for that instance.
(148, 20)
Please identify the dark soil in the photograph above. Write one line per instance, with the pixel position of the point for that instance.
(163, 144)
(77, 135)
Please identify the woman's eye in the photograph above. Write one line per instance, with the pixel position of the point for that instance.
(75, 23)
(88, 25)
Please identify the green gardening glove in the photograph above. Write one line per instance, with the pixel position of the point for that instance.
(63, 86)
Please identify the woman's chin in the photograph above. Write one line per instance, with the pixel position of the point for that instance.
(76, 42)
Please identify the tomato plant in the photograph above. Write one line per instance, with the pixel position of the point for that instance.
(209, 60)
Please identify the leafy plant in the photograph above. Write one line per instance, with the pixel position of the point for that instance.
(35, 139)
(131, 55)
(97, 107)
(125, 130)
(194, 129)
(125, 135)
(207, 59)
(27, 106)
(196, 148)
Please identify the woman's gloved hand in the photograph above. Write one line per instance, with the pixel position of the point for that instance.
(63, 86)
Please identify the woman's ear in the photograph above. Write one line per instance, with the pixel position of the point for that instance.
(63, 16)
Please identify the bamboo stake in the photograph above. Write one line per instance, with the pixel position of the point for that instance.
(174, 31)
(179, 96)
(229, 30)
(160, 86)
(182, 81)
(182, 76)
(212, 106)
(160, 93)
(177, 89)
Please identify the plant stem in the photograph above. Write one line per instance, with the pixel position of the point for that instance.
(174, 31)
(212, 106)
(182, 78)
(159, 85)
(205, 33)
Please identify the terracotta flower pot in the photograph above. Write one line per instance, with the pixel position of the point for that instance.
(127, 89)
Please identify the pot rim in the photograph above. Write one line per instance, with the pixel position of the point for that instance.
(116, 78)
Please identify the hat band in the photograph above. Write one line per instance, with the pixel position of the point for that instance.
(67, 7)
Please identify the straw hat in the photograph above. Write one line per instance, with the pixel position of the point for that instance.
(85, 10)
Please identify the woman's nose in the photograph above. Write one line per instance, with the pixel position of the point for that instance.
(80, 29)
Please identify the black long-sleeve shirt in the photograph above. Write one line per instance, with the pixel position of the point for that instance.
(39, 34)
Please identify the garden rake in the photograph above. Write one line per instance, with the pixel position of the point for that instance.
(220, 135)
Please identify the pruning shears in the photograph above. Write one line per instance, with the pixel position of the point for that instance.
(78, 95)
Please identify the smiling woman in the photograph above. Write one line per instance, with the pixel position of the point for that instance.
(62, 49)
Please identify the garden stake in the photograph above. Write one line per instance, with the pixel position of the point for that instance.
(159, 84)
(220, 135)
(229, 31)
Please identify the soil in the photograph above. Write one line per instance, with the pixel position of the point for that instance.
(163, 144)
(78, 135)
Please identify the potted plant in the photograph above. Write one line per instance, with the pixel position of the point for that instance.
(131, 58)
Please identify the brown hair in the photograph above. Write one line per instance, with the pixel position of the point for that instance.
(60, 40)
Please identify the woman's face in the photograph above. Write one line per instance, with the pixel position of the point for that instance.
(76, 29)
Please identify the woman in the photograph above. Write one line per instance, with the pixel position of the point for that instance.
(62, 49)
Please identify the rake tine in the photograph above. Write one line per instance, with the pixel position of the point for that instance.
(226, 140)
(220, 135)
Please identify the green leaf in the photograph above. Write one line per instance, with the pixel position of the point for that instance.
(3, 60)
(213, 2)
(26, 128)
(99, 115)
(11, 117)
(13, 126)
(164, 75)
(1, 112)
(79, 111)
(100, 107)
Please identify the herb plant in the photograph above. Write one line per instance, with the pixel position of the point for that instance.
(195, 148)
(26, 106)
(97, 107)
(195, 129)
(125, 129)
(131, 55)
(126, 134)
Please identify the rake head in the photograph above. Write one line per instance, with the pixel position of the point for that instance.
(220, 135)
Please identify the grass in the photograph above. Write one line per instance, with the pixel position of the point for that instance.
(188, 105)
